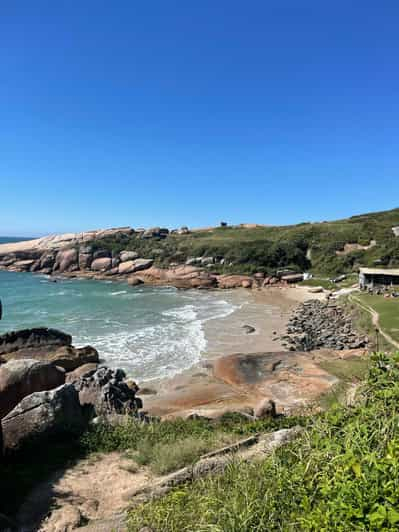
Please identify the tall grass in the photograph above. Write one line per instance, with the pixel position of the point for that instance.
(342, 474)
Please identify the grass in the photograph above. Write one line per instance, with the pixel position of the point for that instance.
(163, 446)
(266, 249)
(349, 371)
(170, 445)
(341, 474)
(388, 310)
(362, 322)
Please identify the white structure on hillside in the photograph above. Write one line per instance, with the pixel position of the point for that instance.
(371, 277)
(396, 230)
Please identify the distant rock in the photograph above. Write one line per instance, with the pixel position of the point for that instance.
(134, 281)
(248, 329)
(234, 281)
(19, 378)
(101, 264)
(136, 265)
(128, 255)
(67, 260)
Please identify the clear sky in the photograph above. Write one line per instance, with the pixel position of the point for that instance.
(173, 113)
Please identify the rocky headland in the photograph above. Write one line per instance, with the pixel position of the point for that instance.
(74, 255)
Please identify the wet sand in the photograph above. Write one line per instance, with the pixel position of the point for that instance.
(239, 369)
(267, 310)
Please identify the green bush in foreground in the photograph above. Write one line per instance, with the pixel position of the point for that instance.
(169, 445)
(342, 474)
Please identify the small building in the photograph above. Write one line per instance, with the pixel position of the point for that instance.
(395, 230)
(372, 277)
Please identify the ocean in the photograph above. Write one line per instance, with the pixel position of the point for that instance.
(150, 332)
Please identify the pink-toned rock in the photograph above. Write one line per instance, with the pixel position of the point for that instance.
(19, 378)
(81, 371)
(102, 264)
(134, 281)
(128, 255)
(136, 265)
(234, 281)
(23, 265)
(67, 260)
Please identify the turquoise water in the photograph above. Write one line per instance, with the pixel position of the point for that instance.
(150, 332)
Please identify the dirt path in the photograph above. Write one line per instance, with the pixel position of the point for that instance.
(94, 494)
(375, 318)
(92, 489)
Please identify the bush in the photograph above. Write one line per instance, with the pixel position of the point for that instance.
(341, 474)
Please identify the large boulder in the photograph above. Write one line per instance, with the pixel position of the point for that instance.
(67, 260)
(70, 358)
(85, 257)
(47, 260)
(37, 338)
(128, 255)
(42, 415)
(234, 281)
(23, 265)
(101, 254)
(19, 378)
(107, 392)
(136, 265)
(81, 372)
(102, 264)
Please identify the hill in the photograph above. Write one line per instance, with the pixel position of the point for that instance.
(324, 248)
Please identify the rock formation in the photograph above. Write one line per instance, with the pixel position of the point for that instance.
(317, 324)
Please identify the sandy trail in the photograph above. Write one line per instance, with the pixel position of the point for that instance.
(94, 488)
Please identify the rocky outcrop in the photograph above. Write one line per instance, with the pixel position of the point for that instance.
(128, 255)
(317, 324)
(234, 281)
(82, 371)
(37, 338)
(107, 392)
(66, 260)
(42, 415)
(101, 264)
(48, 345)
(19, 378)
(136, 265)
(70, 358)
(85, 257)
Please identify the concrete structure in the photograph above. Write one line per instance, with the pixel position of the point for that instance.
(395, 230)
(371, 277)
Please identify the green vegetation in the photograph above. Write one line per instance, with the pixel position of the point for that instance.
(170, 445)
(163, 446)
(341, 474)
(388, 310)
(363, 323)
(306, 246)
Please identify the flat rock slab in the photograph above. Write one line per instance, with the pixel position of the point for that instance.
(240, 382)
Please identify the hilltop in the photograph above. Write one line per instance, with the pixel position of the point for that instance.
(324, 248)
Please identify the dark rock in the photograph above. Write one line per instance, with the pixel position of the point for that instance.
(32, 338)
(248, 329)
(107, 392)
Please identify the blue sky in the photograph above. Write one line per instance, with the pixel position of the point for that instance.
(187, 113)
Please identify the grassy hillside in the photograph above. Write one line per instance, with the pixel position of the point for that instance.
(341, 474)
(306, 246)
